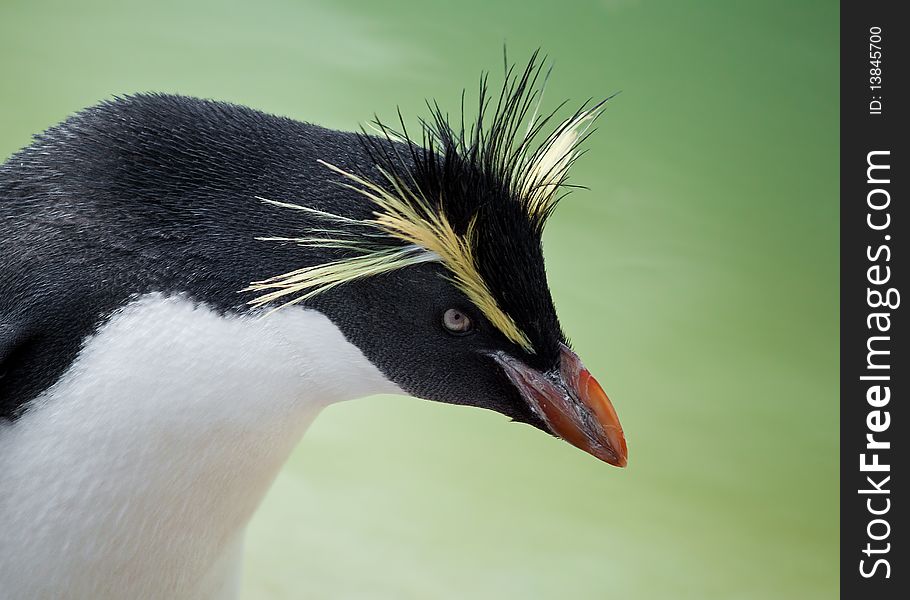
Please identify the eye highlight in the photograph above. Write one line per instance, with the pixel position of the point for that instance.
(456, 321)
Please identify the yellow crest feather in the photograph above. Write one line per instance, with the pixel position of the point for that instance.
(543, 173)
(407, 216)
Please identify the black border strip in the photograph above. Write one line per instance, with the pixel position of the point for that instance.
(874, 229)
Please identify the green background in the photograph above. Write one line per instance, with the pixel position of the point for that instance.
(697, 277)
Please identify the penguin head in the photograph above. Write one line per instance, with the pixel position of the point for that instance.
(442, 282)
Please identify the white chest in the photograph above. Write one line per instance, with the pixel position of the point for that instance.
(135, 474)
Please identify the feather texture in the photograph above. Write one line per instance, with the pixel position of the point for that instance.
(474, 199)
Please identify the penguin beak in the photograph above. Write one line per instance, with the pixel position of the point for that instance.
(572, 404)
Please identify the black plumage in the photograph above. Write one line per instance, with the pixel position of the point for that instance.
(157, 192)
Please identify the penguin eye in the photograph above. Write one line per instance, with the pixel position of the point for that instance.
(456, 321)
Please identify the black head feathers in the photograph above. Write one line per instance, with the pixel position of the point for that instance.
(474, 198)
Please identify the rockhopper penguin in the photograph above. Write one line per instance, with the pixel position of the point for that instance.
(185, 284)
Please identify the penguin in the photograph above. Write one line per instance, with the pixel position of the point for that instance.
(186, 283)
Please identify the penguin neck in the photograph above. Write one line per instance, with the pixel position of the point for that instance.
(144, 462)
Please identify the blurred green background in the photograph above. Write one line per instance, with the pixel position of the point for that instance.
(697, 277)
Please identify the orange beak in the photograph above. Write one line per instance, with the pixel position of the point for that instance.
(572, 404)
